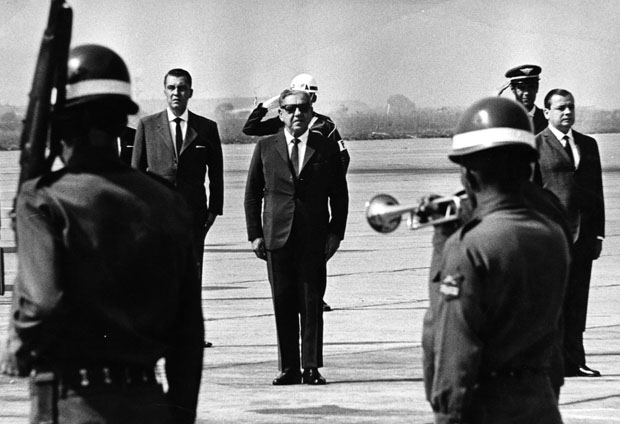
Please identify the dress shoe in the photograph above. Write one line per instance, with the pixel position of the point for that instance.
(207, 344)
(326, 307)
(582, 371)
(287, 377)
(313, 377)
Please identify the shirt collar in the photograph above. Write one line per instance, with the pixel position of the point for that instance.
(560, 135)
(171, 116)
(289, 137)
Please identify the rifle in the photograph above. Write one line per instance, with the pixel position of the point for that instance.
(40, 142)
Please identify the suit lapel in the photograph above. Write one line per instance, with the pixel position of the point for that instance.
(281, 146)
(556, 144)
(163, 129)
(310, 150)
(192, 131)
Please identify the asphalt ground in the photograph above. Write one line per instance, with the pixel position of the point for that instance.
(377, 289)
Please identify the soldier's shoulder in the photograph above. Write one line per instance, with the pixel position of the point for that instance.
(47, 179)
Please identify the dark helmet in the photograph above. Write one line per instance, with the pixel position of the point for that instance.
(95, 72)
(489, 123)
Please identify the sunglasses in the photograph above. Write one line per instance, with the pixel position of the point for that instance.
(303, 108)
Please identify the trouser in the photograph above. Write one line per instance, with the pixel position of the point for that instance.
(297, 274)
(576, 306)
(56, 401)
(525, 399)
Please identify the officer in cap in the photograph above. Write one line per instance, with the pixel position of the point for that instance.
(106, 284)
(523, 81)
(496, 295)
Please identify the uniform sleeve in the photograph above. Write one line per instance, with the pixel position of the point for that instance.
(256, 126)
(37, 291)
(338, 195)
(216, 173)
(138, 156)
(184, 360)
(456, 345)
(252, 202)
(599, 198)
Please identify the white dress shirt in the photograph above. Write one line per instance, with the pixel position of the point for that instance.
(173, 126)
(571, 139)
(301, 146)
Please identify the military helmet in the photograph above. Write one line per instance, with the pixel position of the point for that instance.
(95, 72)
(490, 123)
(305, 82)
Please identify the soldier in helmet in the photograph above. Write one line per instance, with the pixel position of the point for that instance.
(319, 123)
(523, 81)
(106, 282)
(496, 295)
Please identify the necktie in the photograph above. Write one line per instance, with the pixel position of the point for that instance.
(179, 135)
(295, 156)
(569, 150)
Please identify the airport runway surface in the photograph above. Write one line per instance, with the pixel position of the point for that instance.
(377, 288)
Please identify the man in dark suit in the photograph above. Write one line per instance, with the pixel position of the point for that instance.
(298, 175)
(523, 81)
(570, 166)
(181, 147)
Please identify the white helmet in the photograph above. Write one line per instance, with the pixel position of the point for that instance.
(305, 82)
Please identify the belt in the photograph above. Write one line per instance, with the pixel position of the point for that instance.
(107, 376)
(518, 372)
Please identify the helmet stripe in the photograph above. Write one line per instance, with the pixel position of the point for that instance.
(487, 138)
(98, 86)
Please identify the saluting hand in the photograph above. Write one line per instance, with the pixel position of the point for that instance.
(258, 246)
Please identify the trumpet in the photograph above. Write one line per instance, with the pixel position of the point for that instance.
(384, 214)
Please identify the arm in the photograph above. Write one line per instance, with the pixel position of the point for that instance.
(185, 357)
(456, 345)
(256, 126)
(338, 194)
(216, 174)
(254, 189)
(138, 157)
(37, 291)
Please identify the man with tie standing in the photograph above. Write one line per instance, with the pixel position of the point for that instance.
(297, 177)
(570, 166)
(182, 147)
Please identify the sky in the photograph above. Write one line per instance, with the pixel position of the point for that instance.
(437, 53)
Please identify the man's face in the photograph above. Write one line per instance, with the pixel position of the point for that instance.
(178, 93)
(525, 93)
(296, 113)
(561, 112)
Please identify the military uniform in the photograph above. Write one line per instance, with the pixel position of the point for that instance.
(493, 317)
(105, 287)
(319, 123)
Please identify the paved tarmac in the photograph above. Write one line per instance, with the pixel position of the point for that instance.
(377, 288)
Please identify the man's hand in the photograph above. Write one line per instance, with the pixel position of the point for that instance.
(210, 220)
(598, 248)
(332, 244)
(258, 246)
(8, 364)
(272, 103)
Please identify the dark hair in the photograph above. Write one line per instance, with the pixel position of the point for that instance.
(178, 72)
(557, 92)
(289, 92)
(507, 166)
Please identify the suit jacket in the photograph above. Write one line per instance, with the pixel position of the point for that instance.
(580, 190)
(154, 151)
(538, 120)
(126, 145)
(318, 199)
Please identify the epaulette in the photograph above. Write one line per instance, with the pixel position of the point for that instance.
(49, 178)
(469, 225)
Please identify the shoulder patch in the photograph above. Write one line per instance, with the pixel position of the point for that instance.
(450, 286)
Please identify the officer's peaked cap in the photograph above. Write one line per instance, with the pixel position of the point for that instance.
(524, 73)
(491, 123)
(95, 72)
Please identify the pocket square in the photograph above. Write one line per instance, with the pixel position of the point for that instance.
(201, 147)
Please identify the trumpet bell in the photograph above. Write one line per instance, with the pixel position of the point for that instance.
(379, 213)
